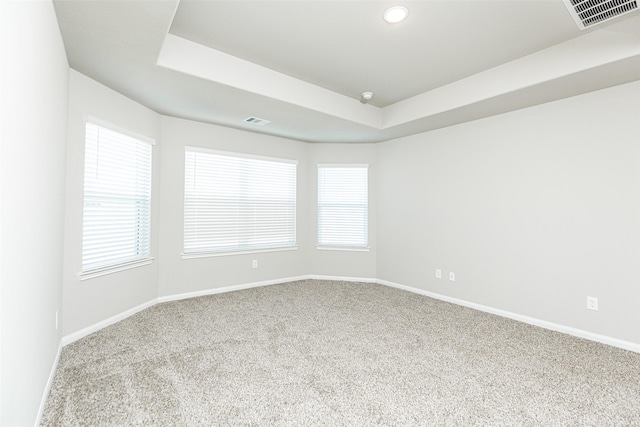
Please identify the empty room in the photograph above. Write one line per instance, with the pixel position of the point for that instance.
(320, 212)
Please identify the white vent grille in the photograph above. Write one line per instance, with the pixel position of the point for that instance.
(587, 13)
(256, 121)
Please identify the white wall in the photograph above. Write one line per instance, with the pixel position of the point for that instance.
(33, 116)
(353, 264)
(533, 210)
(94, 300)
(177, 275)
(89, 302)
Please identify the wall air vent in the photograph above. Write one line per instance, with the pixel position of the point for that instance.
(256, 121)
(588, 13)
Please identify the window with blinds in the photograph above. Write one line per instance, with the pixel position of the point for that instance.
(343, 206)
(116, 221)
(237, 203)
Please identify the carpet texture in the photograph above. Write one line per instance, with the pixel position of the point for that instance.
(337, 353)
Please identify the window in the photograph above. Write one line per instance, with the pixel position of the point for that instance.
(343, 206)
(237, 203)
(117, 199)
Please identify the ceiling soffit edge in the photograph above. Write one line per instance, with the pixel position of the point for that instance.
(594, 49)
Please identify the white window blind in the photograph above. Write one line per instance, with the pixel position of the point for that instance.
(117, 200)
(343, 206)
(237, 203)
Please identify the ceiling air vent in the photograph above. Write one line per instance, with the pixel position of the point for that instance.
(588, 13)
(256, 121)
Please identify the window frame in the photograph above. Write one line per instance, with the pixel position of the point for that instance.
(189, 253)
(333, 246)
(140, 258)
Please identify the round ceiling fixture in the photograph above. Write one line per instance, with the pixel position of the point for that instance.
(396, 14)
(366, 97)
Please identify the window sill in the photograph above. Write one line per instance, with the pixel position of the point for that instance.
(339, 248)
(90, 274)
(217, 254)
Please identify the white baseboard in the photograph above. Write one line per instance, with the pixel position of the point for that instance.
(580, 333)
(47, 387)
(75, 336)
(68, 339)
(343, 278)
(615, 342)
(224, 289)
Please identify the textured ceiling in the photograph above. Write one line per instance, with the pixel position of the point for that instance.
(303, 64)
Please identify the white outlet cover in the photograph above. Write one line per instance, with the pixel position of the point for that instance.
(592, 303)
(438, 273)
(452, 276)
(254, 263)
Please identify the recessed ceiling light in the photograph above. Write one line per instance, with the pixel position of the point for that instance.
(395, 14)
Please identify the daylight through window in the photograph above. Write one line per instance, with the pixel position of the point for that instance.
(343, 206)
(238, 203)
(117, 200)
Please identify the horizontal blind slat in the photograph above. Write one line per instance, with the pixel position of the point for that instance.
(343, 206)
(117, 198)
(235, 203)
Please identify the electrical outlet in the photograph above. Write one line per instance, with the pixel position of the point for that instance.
(452, 276)
(592, 303)
(56, 320)
(438, 273)
(254, 263)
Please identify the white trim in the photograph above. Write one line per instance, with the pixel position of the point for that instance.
(574, 15)
(47, 387)
(105, 124)
(205, 150)
(232, 288)
(343, 278)
(580, 333)
(68, 339)
(75, 336)
(343, 165)
(343, 248)
(103, 271)
(256, 251)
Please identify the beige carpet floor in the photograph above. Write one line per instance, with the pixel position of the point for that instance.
(337, 353)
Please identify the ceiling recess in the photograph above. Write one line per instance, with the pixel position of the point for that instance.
(588, 13)
(257, 121)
